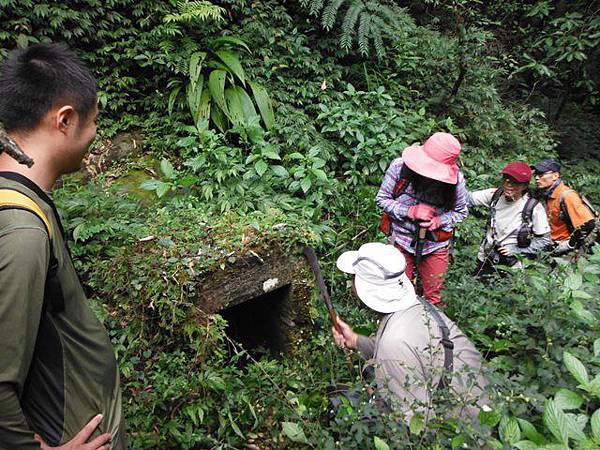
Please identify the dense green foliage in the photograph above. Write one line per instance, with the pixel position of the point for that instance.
(308, 173)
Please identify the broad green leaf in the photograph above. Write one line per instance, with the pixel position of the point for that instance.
(489, 418)
(230, 40)
(457, 441)
(234, 426)
(320, 174)
(380, 444)
(416, 424)
(566, 399)
(294, 432)
(305, 184)
(261, 167)
(530, 432)
(575, 426)
(576, 368)
(265, 106)
(162, 189)
(280, 171)
(597, 348)
(232, 62)
(203, 111)
(194, 97)
(581, 312)
(151, 185)
(581, 294)
(240, 107)
(172, 98)
(509, 430)
(218, 117)
(556, 421)
(526, 445)
(269, 152)
(195, 66)
(595, 424)
(167, 169)
(216, 85)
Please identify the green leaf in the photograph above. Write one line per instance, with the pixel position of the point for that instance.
(218, 117)
(294, 432)
(162, 189)
(269, 152)
(556, 421)
(234, 426)
(305, 184)
(216, 85)
(416, 424)
(597, 348)
(230, 40)
(509, 430)
(380, 444)
(280, 171)
(581, 294)
(232, 62)
(265, 106)
(240, 107)
(575, 426)
(261, 167)
(566, 399)
(172, 98)
(530, 432)
(489, 418)
(595, 424)
(167, 169)
(576, 368)
(151, 185)
(195, 66)
(582, 313)
(526, 445)
(203, 110)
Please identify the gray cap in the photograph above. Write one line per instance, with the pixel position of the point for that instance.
(546, 165)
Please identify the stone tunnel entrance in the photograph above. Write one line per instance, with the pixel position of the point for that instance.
(257, 324)
(264, 298)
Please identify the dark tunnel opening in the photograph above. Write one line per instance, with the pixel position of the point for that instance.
(257, 324)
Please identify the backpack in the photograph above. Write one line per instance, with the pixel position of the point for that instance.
(594, 235)
(525, 232)
(13, 199)
(385, 224)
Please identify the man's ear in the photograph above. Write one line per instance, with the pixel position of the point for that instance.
(64, 118)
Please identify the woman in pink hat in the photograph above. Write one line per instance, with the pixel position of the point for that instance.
(425, 191)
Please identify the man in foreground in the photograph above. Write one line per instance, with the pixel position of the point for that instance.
(517, 223)
(59, 384)
(417, 350)
(571, 220)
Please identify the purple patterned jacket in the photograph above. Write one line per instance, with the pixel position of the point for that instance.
(398, 209)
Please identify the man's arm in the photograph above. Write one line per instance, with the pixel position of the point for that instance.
(24, 254)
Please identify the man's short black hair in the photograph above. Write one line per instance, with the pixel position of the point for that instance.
(35, 79)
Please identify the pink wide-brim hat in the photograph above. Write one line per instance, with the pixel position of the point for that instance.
(435, 159)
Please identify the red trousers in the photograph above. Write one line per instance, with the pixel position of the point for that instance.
(432, 270)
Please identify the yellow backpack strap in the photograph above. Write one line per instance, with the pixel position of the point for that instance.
(10, 198)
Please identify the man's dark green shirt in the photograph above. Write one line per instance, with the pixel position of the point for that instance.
(57, 369)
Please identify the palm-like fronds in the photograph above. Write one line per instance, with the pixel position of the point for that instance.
(190, 11)
(364, 22)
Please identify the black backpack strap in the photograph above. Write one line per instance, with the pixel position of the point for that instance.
(492, 214)
(564, 213)
(525, 232)
(447, 343)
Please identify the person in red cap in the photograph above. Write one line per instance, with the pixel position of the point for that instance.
(424, 191)
(517, 223)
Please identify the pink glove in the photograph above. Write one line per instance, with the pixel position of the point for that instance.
(433, 224)
(421, 212)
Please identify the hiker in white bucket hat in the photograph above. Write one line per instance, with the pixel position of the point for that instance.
(417, 350)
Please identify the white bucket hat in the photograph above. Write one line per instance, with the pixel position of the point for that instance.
(380, 281)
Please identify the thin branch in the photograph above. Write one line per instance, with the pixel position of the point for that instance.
(12, 149)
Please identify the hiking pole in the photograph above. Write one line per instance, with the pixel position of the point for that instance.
(316, 269)
(12, 149)
(421, 233)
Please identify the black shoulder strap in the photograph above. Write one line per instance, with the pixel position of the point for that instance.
(527, 213)
(447, 343)
(400, 187)
(564, 212)
(493, 202)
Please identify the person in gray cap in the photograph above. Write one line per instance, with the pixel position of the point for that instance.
(570, 216)
(417, 350)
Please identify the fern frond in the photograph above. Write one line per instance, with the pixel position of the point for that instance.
(316, 6)
(377, 25)
(330, 14)
(349, 23)
(199, 10)
(364, 27)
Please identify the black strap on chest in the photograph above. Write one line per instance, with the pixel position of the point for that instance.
(446, 342)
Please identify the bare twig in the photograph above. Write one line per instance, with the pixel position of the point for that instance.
(12, 149)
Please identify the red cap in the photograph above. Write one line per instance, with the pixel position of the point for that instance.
(520, 171)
